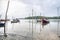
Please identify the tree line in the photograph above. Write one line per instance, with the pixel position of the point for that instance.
(39, 17)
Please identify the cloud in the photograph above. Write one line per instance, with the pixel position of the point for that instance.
(17, 9)
(22, 8)
(3, 6)
(46, 7)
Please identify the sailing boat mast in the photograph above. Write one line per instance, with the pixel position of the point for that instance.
(6, 18)
(40, 23)
(32, 24)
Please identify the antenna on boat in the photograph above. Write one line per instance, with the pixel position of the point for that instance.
(5, 35)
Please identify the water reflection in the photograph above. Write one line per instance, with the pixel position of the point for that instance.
(24, 29)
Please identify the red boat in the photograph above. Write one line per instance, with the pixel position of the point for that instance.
(44, 21)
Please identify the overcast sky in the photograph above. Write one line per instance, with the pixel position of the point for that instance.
(23, 8)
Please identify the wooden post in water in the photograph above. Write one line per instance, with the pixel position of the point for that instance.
(5, 35)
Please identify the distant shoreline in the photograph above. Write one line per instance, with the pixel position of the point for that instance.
(39, 17)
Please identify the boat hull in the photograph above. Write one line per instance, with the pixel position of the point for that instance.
(2, 24)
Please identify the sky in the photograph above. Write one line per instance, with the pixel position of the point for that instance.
(23, 8)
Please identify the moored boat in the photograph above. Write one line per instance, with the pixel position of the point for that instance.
(43, 21)
(15, 21)
(2, 24)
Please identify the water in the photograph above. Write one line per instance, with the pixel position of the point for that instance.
(22, 30)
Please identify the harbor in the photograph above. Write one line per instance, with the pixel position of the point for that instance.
(29, 20)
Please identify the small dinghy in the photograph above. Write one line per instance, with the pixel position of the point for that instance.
(2, 22)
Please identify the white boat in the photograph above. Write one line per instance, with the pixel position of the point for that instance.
(15, 21)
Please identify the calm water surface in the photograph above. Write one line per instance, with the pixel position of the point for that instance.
(24, 27)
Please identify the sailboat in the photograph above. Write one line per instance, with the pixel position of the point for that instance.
(5, 21)
(43, 21)
(2, 22)
(15, 20)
